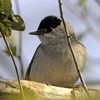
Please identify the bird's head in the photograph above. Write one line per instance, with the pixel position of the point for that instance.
(47, 25)
(50, 28)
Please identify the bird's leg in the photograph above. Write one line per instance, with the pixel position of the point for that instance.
(47, 83)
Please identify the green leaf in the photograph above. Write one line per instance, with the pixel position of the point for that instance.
(8, 20)
(13, 48)
(20, 26)
(2, 15)
(5, 29)
(5, 6)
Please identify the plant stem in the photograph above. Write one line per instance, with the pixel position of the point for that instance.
(20, 40)
(71, 48)
(15, 66)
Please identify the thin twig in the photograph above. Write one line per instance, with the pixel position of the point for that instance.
(71, 49)
(15, 66)
(20, 40)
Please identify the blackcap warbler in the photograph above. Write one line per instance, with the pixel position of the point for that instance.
(52, 62)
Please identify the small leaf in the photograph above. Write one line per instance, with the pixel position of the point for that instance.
(2, 15)
(20, 26)
(5, 29)
(5, 6)
(13, 48)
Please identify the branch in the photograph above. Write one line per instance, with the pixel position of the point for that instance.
(9, 90)
(15, 66)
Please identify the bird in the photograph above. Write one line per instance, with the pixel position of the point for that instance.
(52, 62)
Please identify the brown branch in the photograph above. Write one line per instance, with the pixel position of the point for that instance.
(15, 66)
(38, 91)
(71, 49)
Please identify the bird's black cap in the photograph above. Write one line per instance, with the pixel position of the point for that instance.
(47, 24)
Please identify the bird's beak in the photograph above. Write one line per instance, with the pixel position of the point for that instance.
(34, 33)
(39, 32)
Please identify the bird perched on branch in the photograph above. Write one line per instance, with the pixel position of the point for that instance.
(52, 62)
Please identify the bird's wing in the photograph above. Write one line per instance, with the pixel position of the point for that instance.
(36, 55)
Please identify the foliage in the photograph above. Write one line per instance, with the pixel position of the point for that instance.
(13, 48)
(8, 20)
